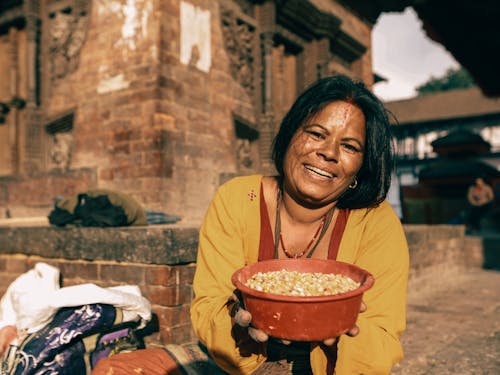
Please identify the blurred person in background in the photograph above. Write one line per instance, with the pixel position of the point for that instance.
(480, 198)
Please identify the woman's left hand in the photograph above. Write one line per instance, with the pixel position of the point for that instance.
(351, 332)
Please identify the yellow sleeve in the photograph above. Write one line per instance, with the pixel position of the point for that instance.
(375, 240)
(226, 243)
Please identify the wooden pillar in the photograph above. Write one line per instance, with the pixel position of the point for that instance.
(266, 15)
(33, 155)
(15, 125)
(323, 55)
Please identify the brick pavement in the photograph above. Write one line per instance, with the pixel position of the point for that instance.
(455, 329)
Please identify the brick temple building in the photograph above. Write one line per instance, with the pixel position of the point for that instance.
(163, 100)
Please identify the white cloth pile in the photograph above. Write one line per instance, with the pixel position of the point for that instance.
(32, 299)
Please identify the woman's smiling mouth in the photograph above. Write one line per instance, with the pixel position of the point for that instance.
(319, 171)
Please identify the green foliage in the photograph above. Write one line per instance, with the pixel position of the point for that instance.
(452, 80)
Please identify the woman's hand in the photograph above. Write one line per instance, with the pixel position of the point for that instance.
(351, 332)
(243, 318)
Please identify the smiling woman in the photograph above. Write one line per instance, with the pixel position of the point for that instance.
(333, 158)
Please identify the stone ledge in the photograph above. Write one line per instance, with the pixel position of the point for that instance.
(175, 244)
(156, 244)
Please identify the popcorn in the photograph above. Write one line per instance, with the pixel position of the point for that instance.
(303, 284)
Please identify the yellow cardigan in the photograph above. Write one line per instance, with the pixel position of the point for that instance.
(229, 239)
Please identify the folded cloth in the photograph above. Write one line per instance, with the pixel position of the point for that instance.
(155, 217)
(32, 300)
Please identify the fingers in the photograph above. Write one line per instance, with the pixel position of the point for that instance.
(362, 308)
(257, 334)
(330, 342)
(353, 331)
(242, 317)
(238, 313)
(236, 296)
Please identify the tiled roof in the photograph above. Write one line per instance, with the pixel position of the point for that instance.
(443, 105)
(459, 137)
(454, 168)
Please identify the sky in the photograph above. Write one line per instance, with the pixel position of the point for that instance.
(405, 56)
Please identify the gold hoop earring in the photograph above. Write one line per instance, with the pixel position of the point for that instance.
(353, 184)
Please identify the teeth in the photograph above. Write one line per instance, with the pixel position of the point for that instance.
(319, 171)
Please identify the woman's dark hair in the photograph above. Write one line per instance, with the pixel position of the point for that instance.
(374, 177)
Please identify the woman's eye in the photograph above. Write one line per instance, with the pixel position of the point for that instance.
(315, 134)
(350, 147)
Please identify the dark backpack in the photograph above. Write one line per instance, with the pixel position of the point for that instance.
(90, 211)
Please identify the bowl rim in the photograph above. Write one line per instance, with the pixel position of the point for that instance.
(366, 284)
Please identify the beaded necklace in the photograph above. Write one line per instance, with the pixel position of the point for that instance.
(278, 236)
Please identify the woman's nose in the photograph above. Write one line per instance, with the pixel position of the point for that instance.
(329, 150)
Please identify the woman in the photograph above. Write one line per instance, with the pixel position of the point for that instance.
(333, 157)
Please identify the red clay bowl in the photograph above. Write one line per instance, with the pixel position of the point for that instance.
(303, 318)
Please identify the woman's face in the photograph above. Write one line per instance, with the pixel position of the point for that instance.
(325, 154)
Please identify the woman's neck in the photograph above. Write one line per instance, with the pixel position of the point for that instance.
(300, 214)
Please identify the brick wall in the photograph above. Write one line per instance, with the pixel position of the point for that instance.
(160, 260)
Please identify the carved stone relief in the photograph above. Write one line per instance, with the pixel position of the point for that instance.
(67, 34)
(239, 39)
(246, 148)
(244, 153)
(61, 144)
(61, 151)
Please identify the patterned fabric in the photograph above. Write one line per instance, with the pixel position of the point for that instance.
(62, 347)
(190, 359)
(114, 342)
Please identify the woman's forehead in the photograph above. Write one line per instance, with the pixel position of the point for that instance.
(338, 113)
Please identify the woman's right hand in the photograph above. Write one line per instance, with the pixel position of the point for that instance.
(243, 318)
